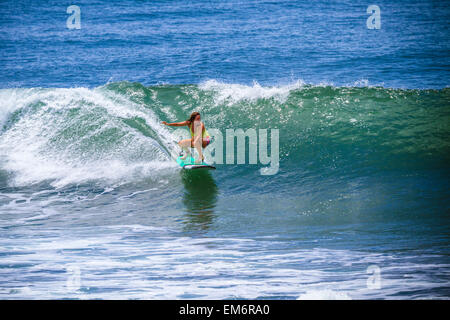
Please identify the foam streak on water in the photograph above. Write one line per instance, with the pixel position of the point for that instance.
(142, 262)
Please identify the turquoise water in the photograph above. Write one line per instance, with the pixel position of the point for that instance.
(92, 205)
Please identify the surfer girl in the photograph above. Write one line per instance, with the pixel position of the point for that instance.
(200, 138)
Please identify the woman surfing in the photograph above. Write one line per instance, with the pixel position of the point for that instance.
(200, 138)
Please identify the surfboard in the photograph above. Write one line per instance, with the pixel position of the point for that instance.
(189, 164)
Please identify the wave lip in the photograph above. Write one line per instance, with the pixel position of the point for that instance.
(232, 93)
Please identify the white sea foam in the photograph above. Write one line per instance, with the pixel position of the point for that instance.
(132, 262)
(14, 99)
(32, 150)
(233, 93)
(326, 294)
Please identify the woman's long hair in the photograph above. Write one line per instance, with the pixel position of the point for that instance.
(192, 117)
(191, 120)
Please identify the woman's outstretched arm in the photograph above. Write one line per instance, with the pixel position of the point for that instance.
(175, 124)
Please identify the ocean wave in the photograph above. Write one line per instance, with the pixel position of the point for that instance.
(114, 132)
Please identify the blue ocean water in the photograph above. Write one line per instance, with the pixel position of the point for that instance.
(187, 42)
(92, 205)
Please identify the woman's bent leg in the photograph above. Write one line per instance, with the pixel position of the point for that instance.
(198, 140)
(185, 145)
